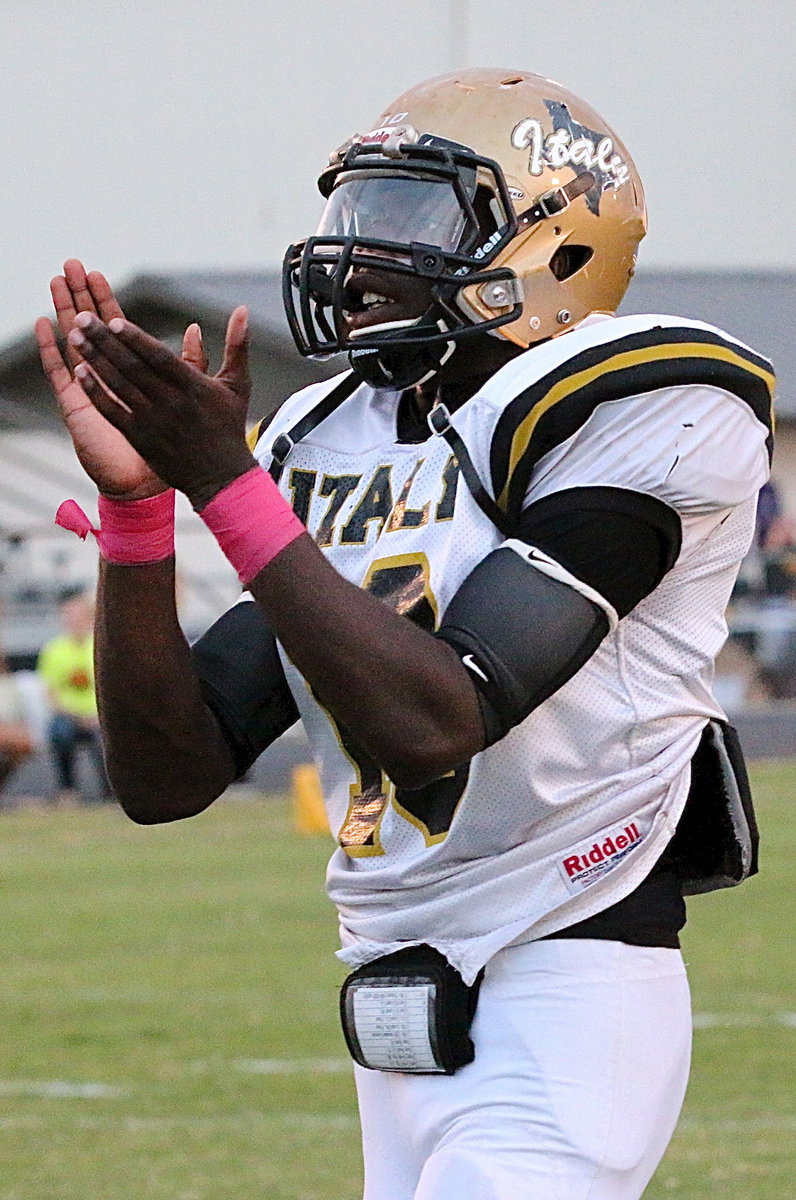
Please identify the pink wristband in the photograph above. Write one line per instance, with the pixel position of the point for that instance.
(252, 522)
(131, 532)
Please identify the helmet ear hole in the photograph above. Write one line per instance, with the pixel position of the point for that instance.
(569, 259)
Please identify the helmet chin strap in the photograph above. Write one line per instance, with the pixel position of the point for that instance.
(400, 366)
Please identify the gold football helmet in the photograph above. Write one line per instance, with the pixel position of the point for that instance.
(509, 198)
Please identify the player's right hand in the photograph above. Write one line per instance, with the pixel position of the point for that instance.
(105, 454)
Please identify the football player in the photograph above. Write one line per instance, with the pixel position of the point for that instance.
(487, 567)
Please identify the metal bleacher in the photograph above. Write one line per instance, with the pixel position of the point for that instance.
(40, 562)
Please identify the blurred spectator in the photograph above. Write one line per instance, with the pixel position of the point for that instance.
(769, 509)
(763, 613)
(776, 643)
(778, 556)
(16, 741)
(66, 665)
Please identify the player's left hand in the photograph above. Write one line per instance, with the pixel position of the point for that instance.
(189, 427)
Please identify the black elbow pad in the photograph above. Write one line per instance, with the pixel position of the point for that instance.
(243, 683)
(522, 626)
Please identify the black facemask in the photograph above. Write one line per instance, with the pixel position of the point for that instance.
(438, 238)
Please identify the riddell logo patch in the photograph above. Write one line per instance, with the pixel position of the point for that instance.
(592, 862)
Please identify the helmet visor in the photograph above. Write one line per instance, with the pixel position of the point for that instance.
(394, 208)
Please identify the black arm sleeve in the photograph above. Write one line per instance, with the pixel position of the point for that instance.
(521, 635)
(521, 632)
(617, 541)
(243, 682)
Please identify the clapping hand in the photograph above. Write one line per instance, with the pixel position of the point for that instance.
(140, 417)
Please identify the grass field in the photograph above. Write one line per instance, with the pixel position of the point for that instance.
(169, 1027)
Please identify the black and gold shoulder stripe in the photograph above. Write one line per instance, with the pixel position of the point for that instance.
(556, 406)
(257, 431)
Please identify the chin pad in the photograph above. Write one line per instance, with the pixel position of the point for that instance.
(399, 367)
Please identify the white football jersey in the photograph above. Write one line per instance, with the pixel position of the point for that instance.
(568, 813)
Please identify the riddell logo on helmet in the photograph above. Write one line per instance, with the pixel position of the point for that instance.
(487, 246)
(388, 127)
(591, 862)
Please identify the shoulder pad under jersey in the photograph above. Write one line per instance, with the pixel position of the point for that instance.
(548, 394)
(291, 410)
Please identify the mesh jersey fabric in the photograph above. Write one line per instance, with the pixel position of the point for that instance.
(569, 812)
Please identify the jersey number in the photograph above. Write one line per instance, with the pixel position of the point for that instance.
(402, 583)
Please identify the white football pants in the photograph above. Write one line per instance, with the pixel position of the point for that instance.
(582, 1050)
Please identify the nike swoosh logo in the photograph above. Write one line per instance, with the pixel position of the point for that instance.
(472, 665)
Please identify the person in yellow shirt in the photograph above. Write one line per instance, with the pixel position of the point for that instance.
(66, 665)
